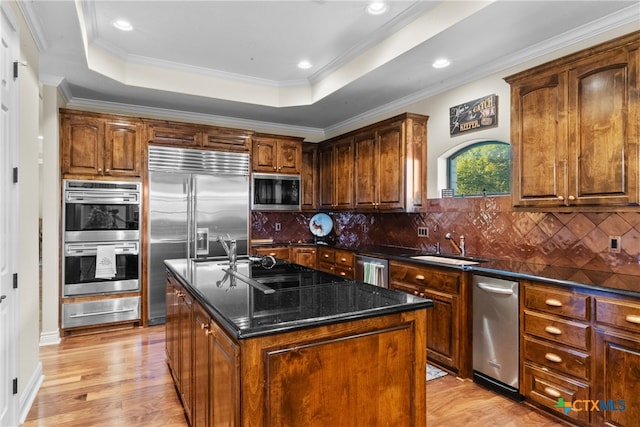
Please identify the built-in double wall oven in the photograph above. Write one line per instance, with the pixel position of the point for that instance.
(101, 251)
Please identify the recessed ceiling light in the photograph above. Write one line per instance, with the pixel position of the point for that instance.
(304, 65)
(377, 8)
(441, 63)
(123, 25)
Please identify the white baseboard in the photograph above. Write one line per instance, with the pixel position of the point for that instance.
(30, 392)
(50, 338)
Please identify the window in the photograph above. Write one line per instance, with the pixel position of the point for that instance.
(480, 169)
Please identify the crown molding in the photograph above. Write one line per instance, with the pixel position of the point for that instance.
(309, 133)
(34, 25)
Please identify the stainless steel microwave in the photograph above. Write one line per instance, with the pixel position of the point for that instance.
(275, 192)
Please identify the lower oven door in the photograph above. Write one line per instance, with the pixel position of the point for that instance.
(80, 261)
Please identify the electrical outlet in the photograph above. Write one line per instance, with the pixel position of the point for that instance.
(614, 244)
(278, 226)
(423, 232)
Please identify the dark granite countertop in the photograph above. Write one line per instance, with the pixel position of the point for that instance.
(303, 297)
(625, 284)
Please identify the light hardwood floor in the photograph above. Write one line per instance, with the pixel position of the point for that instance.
(121, 379)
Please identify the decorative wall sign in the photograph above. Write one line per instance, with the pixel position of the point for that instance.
(474, 115)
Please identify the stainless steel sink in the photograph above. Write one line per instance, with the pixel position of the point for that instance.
(445, 260)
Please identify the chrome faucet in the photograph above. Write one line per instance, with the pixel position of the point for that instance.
(459, 248)
(231, 248)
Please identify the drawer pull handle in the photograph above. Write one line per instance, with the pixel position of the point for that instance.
(343, 259)
(553, 330)
(552, 392)
(552, 357)
(419, 277)
(553, 302)
(633, 318)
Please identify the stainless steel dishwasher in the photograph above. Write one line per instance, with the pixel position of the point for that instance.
(496, 335)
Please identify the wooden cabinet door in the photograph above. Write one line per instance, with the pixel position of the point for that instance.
(304, 256)
(264, 155)
(309, 177)
(391, 180)
(601, 131)
(226, 139)
(122, 149)
(442, 329)
(201, 333)
(289, 156)
(539, 141)
(182, 135)
(617, 382)
(185, 303)
(224, 379)
(171, 328)
(326, 177)
(343, 173)
(366, 170)
(82, 145)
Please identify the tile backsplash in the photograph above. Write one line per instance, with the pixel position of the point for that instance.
(491, 229)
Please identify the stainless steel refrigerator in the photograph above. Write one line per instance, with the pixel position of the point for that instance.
(191, 191)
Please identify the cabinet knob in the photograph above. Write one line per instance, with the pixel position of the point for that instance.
(561, 198)
(552, 357)
(343, 259)
(107, 170)
(415, 293)
(552, 302)
(100, 170)
(572, 198)
(419, 277)
(553, 330)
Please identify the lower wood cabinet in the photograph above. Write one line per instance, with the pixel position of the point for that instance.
(304, 255)
(280, 252)
(580, 353)
(300, 377)
(448, 321)
(336, 261)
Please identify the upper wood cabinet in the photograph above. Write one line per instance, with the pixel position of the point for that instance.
(336, 174)
(309, 177)
(98, 145)
(384, 167)
(188, 135)
(574, 129)
(276, 154)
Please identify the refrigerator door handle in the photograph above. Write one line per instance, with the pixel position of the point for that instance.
(190, 218)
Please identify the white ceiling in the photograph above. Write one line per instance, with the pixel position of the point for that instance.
(235, 61)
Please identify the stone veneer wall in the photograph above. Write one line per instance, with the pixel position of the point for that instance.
(491, 229)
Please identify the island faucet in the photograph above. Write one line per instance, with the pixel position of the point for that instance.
(459, 248)
(231, 248)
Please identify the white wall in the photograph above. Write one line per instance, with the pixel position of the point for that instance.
(50, 203)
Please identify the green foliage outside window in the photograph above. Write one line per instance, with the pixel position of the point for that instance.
(482, 168)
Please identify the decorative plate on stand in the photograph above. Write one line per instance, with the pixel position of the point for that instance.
(320, 224)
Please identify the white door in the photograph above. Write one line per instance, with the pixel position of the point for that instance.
(8, 219)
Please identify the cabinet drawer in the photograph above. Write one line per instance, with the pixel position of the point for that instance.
(326, 255)
(277, 252)
(343, 272)
(558, 330)
(624, 314)
(554, 301)
(177, 134)
(343, 258)
(546, 389)
(425, 278)
(559, 358)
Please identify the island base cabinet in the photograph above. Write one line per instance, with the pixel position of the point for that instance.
(351, 374)
(617, 384)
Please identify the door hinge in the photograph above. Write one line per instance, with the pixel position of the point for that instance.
(15, 386)
(15, 175)
(15, 69)
(15, 280)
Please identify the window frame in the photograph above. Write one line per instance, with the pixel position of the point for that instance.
(449, 159)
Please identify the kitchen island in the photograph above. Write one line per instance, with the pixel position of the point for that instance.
(292, 346)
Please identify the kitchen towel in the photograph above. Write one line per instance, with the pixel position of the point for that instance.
(105, 261)
(373, 273)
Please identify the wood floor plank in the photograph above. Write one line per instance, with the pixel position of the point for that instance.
(122, 379)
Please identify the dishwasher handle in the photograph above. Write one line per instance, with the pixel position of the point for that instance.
(495, 289)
